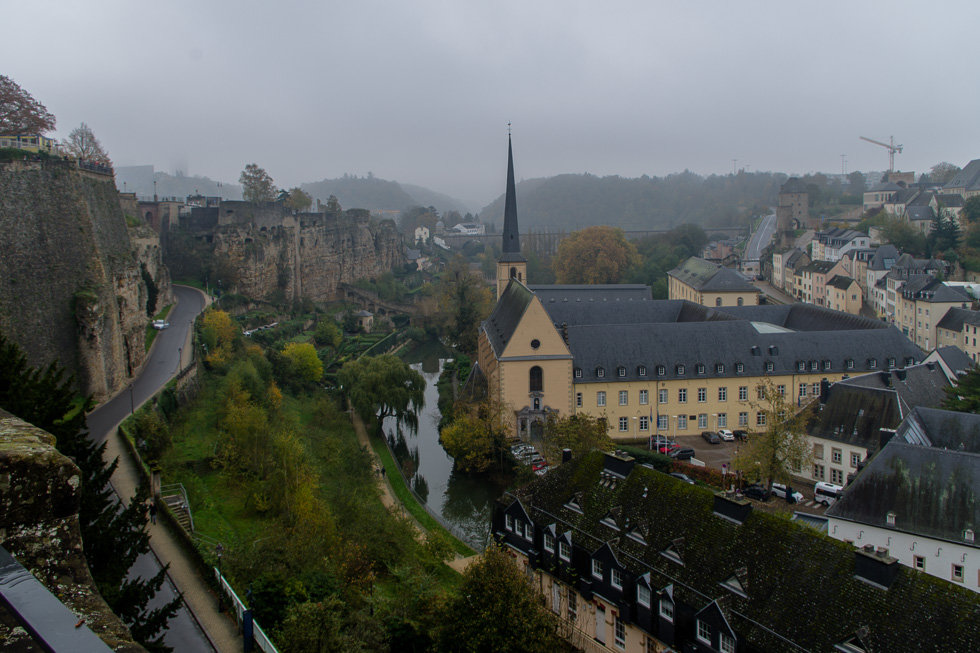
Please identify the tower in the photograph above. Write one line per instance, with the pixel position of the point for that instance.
(511, 264)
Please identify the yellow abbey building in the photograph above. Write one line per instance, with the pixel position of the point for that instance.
(669, 367)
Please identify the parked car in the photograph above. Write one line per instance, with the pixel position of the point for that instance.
(159, 325)
(683, 477)
(667, 448)
(681, 453)
(741, 435)
(710, 437)
(788, 493)
(827, 493)
(539, 466)
(726, 435)
(757, 492)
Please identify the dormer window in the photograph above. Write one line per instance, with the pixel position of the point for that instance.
(680, 370)
(564, 550)
(509, 523)
(643, 595)
(826, 366)
(641, 370)
(890, 518)
(720, 368)
(872, 363)
(616, 578)
(769, 366)
(891, 362)
(814, 366)
(549, 542)
(801, 366)
(739, 368)
(704, 632)
(578, 372)
(700, 368)
(849, 363)
(600, 373)
(968, 535)
(597, 568)
(620, 371)
(909, 361)
(666, 609)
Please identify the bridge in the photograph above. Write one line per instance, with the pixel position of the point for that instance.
(371, 299)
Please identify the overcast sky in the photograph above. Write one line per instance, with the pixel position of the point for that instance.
(421, 92)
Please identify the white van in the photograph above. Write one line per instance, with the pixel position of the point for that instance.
(826, 493)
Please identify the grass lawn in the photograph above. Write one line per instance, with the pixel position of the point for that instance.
(407, 499)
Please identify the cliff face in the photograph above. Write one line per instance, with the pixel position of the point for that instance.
(272, 256)
(71, 286)
(39, 499)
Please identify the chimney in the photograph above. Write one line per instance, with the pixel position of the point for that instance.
(875, 567)
(732, 509)
(566, 455)
(618, 464)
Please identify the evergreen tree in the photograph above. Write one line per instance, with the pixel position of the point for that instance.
(112, 538)
(964, 397)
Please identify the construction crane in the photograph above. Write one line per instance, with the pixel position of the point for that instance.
(890, 146)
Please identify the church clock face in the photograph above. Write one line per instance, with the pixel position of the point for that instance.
(535, 343)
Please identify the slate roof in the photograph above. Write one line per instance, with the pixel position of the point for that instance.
(819, 267)
(799, 590)
(955, 359)
(885, 186)
(884, 257)
(968, 177)
(726, 343)
(942, 429)
(920, 212)
(841, 282)
(793, 185)
(506, 315)
(931, 290)
(932, 492)
(711, 277)
(585, 292)
(950, 201)
(916, 385)
(792, 257)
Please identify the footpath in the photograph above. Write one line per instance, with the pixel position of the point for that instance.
(387, 495)
(220, 629)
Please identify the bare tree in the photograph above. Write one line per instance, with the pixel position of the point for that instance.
(20, 113)
(82, 144)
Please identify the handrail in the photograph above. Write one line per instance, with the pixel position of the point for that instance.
(178, 490)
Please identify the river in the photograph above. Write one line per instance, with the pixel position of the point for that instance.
(462, 503)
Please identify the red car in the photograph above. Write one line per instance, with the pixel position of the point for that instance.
(667, 448)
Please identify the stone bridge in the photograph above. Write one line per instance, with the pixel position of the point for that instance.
(373, 301)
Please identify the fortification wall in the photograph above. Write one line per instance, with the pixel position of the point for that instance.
(71, 289)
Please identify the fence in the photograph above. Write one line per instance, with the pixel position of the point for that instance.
(240, 612)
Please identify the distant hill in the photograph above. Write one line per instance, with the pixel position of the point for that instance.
(373, 193)
(139, 180)
(574, 201)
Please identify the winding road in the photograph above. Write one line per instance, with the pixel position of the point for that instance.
(761, 238)
(183, 632)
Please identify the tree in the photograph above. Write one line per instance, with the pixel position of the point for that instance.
(20, 113)
(298, 199)
(383, 386)
(496, 609)
(782, 447)
(304, 361)
(257, 185)
(964, 397)
(579, 432)
(327, 333)
(476, 439)
(945, 234)
(942, 172)
(112, 538)
(594, 255)
(970, 213)
(82, 144)
(467, 300)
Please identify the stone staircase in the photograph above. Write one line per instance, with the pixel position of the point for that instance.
(175, 498)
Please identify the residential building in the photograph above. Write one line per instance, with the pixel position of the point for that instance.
(784, 267)
(881, 261)
(958, 327)
(421, 235)
(470, 229)
(903, 270)
(811, 282)
(856, 416)
(879, 194)
(844, 294)
(953, 361)
(921, 303)
(966, 183)
(30, 142)
(917, 498)
(632, 560)
(710, 284)
(832, 244)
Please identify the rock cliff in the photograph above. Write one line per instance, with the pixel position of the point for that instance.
(39, 499)
(264, 253)
(73, 279)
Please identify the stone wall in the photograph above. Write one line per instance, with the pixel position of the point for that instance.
(292, 256)
(39, 499)
(71, 289)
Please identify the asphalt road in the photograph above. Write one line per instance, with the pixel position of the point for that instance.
(183, 633)
(761, 238)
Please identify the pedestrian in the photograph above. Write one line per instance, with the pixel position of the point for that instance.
(382, 472)
(153, 512)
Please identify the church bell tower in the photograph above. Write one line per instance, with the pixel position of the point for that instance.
(511, 264)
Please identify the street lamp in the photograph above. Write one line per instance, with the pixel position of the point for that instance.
(218, 549)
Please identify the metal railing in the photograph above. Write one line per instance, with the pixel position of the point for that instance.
(238, 608)
(177, 489)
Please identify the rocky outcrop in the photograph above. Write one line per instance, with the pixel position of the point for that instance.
(39, 499)
(265, 254)
(72, 283)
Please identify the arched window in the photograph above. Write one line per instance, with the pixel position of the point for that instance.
(717, 301)
(513, 273)
(536, 380)
(740, 301)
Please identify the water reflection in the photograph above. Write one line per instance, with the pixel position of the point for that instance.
(462, 503)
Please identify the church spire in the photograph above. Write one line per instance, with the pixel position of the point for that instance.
(512, 236)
